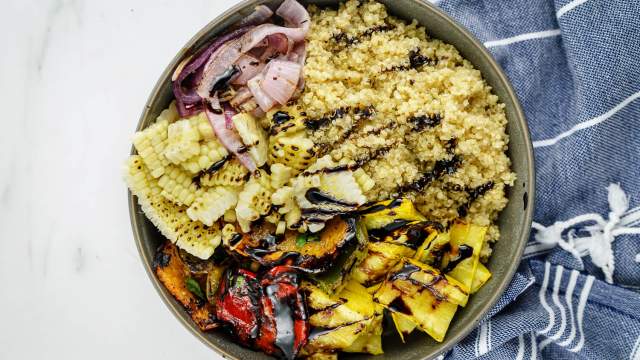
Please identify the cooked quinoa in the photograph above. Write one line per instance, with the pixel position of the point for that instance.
(418, 116)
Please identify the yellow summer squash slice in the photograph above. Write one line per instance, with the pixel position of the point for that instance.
(423, 295)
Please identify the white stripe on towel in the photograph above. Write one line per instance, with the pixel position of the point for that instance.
(483, 339)
(534, 348)
(569, 296)
(521, 348)
(543, 300)
(583, 302)
(570, 6)
(587, 124)
(563, 314)
(523, 37)
(635, 352)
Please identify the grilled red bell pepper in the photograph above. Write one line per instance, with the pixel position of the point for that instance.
(284, 329)
(269, 315)
(238, 304)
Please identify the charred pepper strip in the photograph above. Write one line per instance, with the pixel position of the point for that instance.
(284, 329)
(238, 304)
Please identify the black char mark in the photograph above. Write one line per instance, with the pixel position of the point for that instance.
(474, 194)
(441, 168)
(464, 252)
(222, 81)
(343, 40)
(422, 122)
(416, 60)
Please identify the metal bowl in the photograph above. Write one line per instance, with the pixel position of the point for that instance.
(514, 221)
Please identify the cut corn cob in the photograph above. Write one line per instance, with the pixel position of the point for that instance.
(280, 175)
(285, 121)
(230, 216)
(211, 151)
(169, 114)
(201, 122)
(150, 144)
(253, 136)
(138, 178)
(182, 141)
(232, 174)
(364, 180)
(171, 219)
(178, 186)
(253, 201)
(296, 152)
(212, 204)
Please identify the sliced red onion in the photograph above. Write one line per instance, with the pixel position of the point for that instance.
(265, 101)
(294, 14)
(187, 99)
(258, 113)
(229, 112)
(249, 67)
(299, 55)
(281, 80)
(257, 35)
(243, 94)
(260, 14)
(229, 138)
(219, 62)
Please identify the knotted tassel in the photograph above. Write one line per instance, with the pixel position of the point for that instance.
(602, 233)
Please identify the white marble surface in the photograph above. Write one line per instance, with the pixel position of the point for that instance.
(74, 76)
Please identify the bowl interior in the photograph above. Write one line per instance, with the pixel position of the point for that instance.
(514, 221)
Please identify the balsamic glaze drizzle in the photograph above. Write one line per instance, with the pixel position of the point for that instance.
(442, 167)
(474, 194)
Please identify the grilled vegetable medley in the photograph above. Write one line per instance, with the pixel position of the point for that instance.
(273, 238)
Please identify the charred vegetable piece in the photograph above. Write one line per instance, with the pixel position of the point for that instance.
(284, 328)
(481, 277)
(333, 280)
(315, 256)
(238, 304)
(173, 273)
(383, 256)
(433, 249)
(322, 356)
(388, 214)
(421, 292)
(463, 257)
(214, 277)
(370, 342)
(349, 320)
(403, 323)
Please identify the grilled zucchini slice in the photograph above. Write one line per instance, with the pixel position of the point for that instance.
(481, 277)
(423, 294)
(461, 261)
(349, 321)
(386, 213)
(383, 256)
(403, 323)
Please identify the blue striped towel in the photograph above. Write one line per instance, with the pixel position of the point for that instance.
(575, 65)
